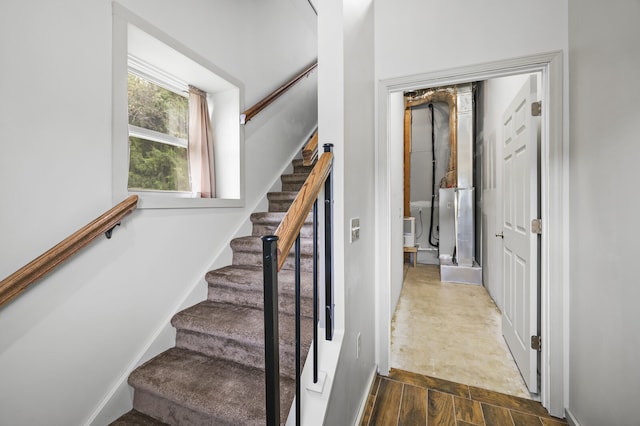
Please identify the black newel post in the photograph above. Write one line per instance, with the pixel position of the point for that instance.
(271, 338)
(328, 254)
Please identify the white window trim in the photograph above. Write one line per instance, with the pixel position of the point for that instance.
(152, 135)
(157, 76)
(122, 17)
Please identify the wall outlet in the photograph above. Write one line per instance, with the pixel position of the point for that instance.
(358, 345)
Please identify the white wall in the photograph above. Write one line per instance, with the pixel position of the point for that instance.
(68, 342)
(417, 36)
(346, 109)
(605, 117)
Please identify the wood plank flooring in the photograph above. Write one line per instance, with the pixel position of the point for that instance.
(406, 398)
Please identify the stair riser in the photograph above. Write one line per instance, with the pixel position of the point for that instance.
(280, 201)
(302, 169)
(254, 244)
(255, 299)
(168, 411)
(261, 229)
(230, 349)
(279, 205)
(292, 186)
(298, 167)
(255, 259)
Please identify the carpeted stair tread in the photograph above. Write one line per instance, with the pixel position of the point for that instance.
(266, 223)
(241, 276)
(282, 195)
(223, 319)
(248, 251)
(243, 285)
(254, 243)
(189, 388)
(243, 323)
(236, 333)
(135, 418)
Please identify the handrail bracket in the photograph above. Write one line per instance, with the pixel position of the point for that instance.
(109, 231)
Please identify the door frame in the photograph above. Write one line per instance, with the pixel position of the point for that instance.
(554, 184)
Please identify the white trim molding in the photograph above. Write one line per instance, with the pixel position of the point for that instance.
(571, 419)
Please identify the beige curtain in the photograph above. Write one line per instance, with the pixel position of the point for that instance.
(200, 145)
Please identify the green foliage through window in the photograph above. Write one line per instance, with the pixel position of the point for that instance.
(156, 163)
(157, 166)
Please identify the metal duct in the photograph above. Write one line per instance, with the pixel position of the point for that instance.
(465, 229)
(464, 152)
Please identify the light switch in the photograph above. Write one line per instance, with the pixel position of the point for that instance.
(355, 229)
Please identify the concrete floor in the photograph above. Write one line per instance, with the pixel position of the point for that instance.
(453, 332)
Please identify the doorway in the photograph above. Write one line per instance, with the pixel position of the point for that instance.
(460, 337)
(553, 201)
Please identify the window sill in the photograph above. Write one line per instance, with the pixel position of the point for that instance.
(155, 201)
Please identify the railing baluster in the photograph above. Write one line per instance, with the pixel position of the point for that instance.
(276, 249)
(328, 258)
(298, 402)
(315, 292)
(271, 337)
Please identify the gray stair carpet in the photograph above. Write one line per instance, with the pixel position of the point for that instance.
(215, 373)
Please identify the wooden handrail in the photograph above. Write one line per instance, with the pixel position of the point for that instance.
(310, 151)
(254, 110)
(17, 282)
(293, 220)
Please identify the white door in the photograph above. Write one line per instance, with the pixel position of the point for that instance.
(520, 244)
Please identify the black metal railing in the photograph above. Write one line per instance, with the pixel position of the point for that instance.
(328, 255)
(270, 265)
(271, 344)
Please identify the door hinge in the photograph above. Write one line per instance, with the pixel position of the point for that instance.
(536, 226)
(536, 109)
(536, 343)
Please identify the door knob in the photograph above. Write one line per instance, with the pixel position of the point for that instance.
(501, 235)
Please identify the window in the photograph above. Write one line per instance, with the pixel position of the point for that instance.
(158, 136)
(154, 80)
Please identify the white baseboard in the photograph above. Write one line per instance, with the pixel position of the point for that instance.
(363, 401)
(571, 419)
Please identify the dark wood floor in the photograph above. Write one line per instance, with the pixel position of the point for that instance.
(406, 398)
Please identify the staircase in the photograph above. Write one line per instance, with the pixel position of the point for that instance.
(215, 373)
